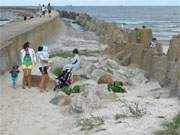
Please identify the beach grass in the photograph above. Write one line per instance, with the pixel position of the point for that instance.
(170, 127)
(61, 54)
(57, 71)
(91, 123)
(69, 54)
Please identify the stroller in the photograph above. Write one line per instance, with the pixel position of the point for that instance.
(64, 79)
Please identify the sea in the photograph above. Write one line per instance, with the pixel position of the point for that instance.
(6, 17)
(164, 20)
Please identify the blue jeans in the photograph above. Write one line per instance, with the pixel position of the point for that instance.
(14, 81)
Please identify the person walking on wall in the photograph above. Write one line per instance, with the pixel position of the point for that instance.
(43, 10)
(49, 9)
(28, 59)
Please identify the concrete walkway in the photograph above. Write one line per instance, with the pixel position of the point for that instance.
(16, 28)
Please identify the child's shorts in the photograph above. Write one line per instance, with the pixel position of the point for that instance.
(27, 66)
(44, 69)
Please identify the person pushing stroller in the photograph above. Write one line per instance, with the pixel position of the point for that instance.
(68, 71)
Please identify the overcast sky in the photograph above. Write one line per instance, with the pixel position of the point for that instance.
(92, 2)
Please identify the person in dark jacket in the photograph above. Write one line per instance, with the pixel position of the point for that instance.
(14, 75)
(49, 9)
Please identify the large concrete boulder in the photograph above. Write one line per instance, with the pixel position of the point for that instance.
(91, 98)
(173, 78)
(159, 68)
(97, 73)
(111, 64)
(86, 101)
(159, 49)
(117, 37)
(126, 61)
(61, 99)
(148, 57)
(133, 37)
(174, 49)
(114, 48)
(105, 79)
(124, 56)
(137, 53)
(119, 56)
(146, 37)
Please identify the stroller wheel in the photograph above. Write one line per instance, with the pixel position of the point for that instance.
(59, 86)
(56, 87)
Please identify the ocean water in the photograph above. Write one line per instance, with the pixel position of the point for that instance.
(7, 15)
(164, 21)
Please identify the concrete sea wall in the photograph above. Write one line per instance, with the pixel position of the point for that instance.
(36, 31)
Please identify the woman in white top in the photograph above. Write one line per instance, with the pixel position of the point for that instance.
(42, 58)
(76, 64)
(76, 61)
(28, 59)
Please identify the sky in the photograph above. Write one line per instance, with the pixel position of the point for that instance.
(91, 2)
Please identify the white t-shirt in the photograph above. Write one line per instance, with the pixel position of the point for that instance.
(76, 61)
(43, 8)
(153, 44)
(42, 60)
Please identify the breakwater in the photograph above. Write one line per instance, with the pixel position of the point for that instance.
(13, 36)
(129, 50)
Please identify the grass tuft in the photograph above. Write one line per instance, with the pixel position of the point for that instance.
(57, 71)
(88, 124)
(61, 54)
(134, 110)
(69, 54)
(170, 127)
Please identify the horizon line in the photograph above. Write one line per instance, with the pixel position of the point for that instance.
(93, 5)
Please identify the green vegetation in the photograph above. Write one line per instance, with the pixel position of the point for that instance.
(171, 127)
(89, 53)
(116, 87)
(76, 89)
(88, 124)
(69, 91)
(61, 54)
(69, 54)
(57, 71)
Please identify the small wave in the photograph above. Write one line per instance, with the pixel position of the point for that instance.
(3, 23)
(130, 22)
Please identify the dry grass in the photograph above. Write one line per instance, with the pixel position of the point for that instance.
(90, 123)
(134, 109)
(170, 127)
